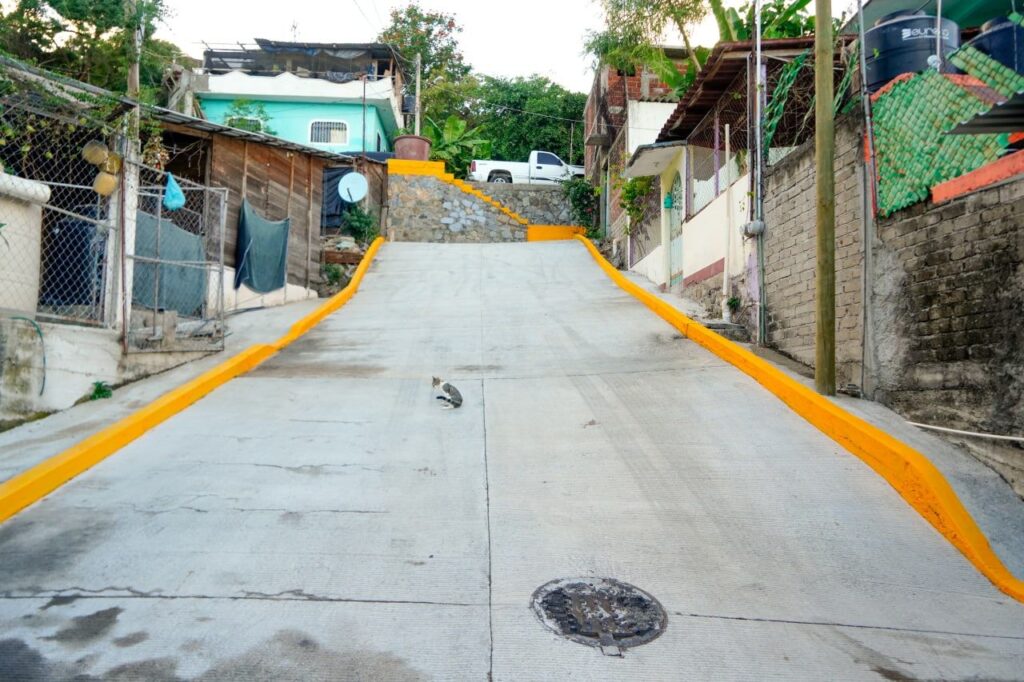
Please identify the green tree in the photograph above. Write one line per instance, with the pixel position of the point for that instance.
(779, 19)
(625, 44)
(523, 114)
(90, 40)
(446, 97)
(642, 22)
(434, 36)
(248, 115)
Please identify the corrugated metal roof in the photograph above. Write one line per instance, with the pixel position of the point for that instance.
(168, 116)
(1006, 117)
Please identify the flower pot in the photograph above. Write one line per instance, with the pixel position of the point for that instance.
(412, 148)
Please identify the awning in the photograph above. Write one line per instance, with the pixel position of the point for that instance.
(966, 14)
(1007, 117)
(652, 159)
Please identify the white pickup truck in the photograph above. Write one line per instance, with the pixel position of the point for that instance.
(543, 168)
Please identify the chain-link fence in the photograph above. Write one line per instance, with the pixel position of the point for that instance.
(57, 231)
(177, 266)
(87, 238)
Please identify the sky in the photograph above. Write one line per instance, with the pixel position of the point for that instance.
(542, 37)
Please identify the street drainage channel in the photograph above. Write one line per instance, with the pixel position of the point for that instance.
(600, 612)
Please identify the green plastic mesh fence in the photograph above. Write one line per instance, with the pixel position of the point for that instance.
(1000, 78)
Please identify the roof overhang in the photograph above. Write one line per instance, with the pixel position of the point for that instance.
(652, 159)
(727, 61)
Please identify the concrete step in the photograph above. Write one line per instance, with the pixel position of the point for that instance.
(733, 332)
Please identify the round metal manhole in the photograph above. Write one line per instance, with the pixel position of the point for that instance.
(600, 612)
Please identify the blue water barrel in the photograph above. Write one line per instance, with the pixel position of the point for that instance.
(1002, 40)
(902, 42)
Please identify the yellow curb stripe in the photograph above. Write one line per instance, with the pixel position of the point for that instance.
(544, 233)
(913, 476)
(42, 479)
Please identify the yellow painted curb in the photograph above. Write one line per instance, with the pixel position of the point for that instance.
(913, 476)
(42, 479)
(545, 233)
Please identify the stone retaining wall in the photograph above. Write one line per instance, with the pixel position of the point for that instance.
(422, 208)
(540, 204)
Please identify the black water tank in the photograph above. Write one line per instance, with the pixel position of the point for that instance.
(1002, 40)
(902, 42)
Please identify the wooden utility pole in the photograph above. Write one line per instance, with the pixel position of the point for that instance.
(824, 158)
(132, 8)
(419, 68)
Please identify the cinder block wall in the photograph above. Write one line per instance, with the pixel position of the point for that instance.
(422, 208)
(790, 253)
(948, 309)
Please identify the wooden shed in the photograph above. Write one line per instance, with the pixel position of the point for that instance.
(280, 179)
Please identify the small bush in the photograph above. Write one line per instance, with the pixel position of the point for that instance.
(333, 273)
(101, 390)
(362, 224)
(583, 204)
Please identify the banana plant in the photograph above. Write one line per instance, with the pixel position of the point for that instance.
(779, 19)
(456, 144)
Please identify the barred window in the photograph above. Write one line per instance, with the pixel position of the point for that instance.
(328, 132)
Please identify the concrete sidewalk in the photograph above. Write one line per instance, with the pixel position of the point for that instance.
(323, 519)
(29, 444)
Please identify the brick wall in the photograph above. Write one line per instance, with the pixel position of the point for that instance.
(946, 309)
(948, 317)
(790, 253)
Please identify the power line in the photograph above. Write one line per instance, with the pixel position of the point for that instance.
(359, 7)
(536, 113)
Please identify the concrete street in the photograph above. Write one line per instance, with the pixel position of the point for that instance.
(322, 518)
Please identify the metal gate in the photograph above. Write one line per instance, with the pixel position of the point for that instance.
(175, 267)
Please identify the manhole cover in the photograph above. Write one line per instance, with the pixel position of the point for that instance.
(600, 612)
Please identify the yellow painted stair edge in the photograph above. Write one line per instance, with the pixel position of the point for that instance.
(42, 479)
(436, 169)
(913, 476)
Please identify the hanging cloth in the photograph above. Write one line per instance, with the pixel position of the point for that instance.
(261, 254)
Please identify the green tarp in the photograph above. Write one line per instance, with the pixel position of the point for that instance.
(167, 286)
(261, 254)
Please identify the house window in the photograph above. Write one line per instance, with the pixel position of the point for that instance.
(380, 142)
(250, 123)
(328, 132)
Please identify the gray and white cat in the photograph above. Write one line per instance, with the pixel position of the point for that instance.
(451, 394)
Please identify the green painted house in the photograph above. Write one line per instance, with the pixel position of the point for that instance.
(339, 97)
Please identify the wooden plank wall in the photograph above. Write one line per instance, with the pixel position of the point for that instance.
(279, 184)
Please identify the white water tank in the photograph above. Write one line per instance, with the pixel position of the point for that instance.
(21, 214)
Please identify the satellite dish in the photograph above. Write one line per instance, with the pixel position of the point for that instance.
(352, 187)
